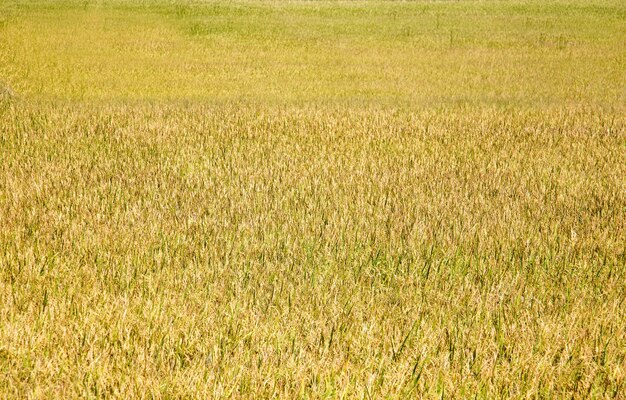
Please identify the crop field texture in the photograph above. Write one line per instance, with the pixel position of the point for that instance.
(301, 199)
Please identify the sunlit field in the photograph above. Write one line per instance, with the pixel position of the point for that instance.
(316, 199)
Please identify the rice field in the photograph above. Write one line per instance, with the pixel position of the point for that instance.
(312, 199)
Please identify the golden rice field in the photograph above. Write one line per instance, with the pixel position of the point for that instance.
(324, 199)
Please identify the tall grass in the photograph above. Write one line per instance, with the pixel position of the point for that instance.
(184, 219)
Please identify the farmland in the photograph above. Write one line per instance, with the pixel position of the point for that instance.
(324, 199)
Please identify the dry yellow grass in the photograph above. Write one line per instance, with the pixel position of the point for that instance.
(169, 241)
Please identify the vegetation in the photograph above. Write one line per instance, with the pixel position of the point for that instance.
(312, 199)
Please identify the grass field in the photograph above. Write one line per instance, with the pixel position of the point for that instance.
(312, 199)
